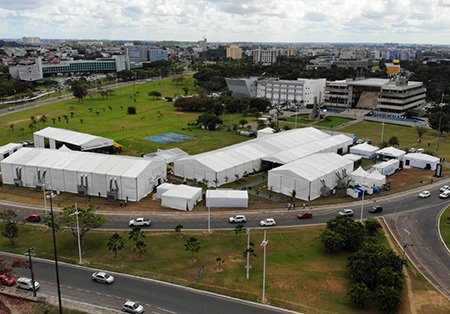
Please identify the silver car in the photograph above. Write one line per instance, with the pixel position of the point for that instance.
(132, 307)
(103, 277)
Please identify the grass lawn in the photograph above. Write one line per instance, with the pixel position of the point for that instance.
(444, 225)
(407, 136)
(301, 118)
(153, 117)
(300, 276)
(333, 122)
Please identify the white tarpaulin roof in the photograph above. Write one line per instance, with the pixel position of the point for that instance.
(364, 149)
(352, 157)
(162, 188)
(391, 152)
(226, 198)
(9, 147)
(182, 197)
(363, 177)
(169, 155)
(422, 157)
(85, 141)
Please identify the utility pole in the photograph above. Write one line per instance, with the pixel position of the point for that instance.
(382, 132)
(76, 213)
(209, 219)
(440, 119)
(362, 205)
(29, 252)
(264, 245)
(248, 254)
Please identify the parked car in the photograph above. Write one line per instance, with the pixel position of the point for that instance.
(132, 307)
(424, 194)
(346, 213)
(102, 277)
(33, 218)
(305, 215)
(26, 284)
(445, 194)
(139, 222)
(376, 209)
(237, 219)
(7, 280)
(444, 188)
(267, 222)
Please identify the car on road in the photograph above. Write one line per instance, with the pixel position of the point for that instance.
(305, 215)
(267, 222)
(27, 284)
(346, 213)
(140, 222)
(445, 194)
(237, 219)
(33, 218)
(102, 277)
(376, 209)
(7, 280)
(424, 194)
(132, 307)
(444, 188)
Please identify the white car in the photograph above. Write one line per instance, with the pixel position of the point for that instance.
(103, 277)
(445, 194)
(346, 213)
(444, 188)
(237, 219)
(139, 222)
(424, 194)
(27, 284)
(267, 222)
(132, 307)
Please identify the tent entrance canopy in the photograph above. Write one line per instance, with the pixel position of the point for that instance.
(226, 198)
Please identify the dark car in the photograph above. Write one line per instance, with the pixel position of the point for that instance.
(376, 209)
(305, 215)
(33, 218)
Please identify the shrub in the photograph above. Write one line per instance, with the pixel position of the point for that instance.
(131, 110)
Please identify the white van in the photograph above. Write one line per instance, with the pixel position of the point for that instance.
(26, 284)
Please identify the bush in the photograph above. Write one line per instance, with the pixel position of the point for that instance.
(332, 241)
(388, 299)
(352, 232)
(372, 226)
(360, 295)
(131, 110)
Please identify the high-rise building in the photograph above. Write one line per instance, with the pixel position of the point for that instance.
(31, 40)
(137, 53)
(157, 55)
(265, 56)
(203, 44)
(234, 52)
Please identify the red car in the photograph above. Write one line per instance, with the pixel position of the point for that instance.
(305, 215)
(33, 218)
(7, 280)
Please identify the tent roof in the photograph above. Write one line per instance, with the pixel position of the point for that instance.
(366, 147)
(360, 172)
(314, 166)
(226, 193)
(169, 155)
(376, 175)
(8, 147)
(352, 157)
(166, 186)
(73, 137)
(182, 191)
(421, 156)
(391, 151)
(65, 148)
(267, 130)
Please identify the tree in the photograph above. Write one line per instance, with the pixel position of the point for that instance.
(360, 295)
(136, 235)
(115, 243)
(209, 120)
(250, 249)
(219, 262)
(185, 90)
(352, 232)
(394, 141)
(259, 104)
(87, 219)
(390, 278)
(388, 299)
(131, 110)
(192, 245)
(372, 226)
(10, 231)
(421, 131)
(11, 126)
(239, 230)
(79, 91)
(242, 122)
(332, 241)
(154, 94)
(141, 247)
(178, 230)
(433, 120)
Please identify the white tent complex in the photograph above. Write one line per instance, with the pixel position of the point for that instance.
(359, 175)
(365, 150)
(370, 179)
(8, 149)
(55, 138)
(308, 176)
(224, 165)
(162, 188)
(182, 197)
(419, 160)
(391, 153)
(111, 176)
(226, 198)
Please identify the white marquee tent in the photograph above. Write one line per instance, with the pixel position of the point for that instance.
(226, 198)
(359, 175)
(308, 175)
(66, 171)
(225, 165)
(391, 152)
(57, 137)
(365, 150)
(182, 197)
(169, 155)
(162, 188)
(8, 149)
(370, 179)
(419, 160)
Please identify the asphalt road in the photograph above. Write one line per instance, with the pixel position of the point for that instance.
(156, 297)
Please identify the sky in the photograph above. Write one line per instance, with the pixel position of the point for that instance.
(378, 21)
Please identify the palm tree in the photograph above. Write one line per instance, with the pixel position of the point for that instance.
(219, 262)
(178, 230)
(12, 127)
(192, 245)
(136, 235)
(239, 230)
(115, 243)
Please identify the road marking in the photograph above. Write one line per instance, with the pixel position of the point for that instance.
(165, 310)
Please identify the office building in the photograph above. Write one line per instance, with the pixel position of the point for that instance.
(137, 53)
(242, 87)
(265, 56)
(31, 40)
(234, 52)
(157, 55)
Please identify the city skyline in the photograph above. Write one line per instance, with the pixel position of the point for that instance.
(407, 21)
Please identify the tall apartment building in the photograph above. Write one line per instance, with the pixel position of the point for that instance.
(391, 95)
(265, 56)
(234, 52)
(157, 55)
(137, 53)
(31, 40)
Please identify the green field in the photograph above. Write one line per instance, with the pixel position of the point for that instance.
(332, 122)
(153, 117)
(301, 119)
(444, 226)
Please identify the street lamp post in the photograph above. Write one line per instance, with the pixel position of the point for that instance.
(209, 219)
(29, 252)
(440, 120)
(248, 255)
(76, 213)
(264, 245)
(362, 205)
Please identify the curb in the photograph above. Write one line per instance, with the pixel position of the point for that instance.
(439, 229)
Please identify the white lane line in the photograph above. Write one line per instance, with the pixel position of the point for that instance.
(165, 310)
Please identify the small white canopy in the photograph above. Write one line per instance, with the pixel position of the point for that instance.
(226, 198)
(162, 188)
(265, 132)
(375, 179)
(359, 175)
(391, 152)
(182, 197)
(419, 160)
(365, 150)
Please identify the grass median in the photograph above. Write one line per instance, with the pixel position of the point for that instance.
(444, 226)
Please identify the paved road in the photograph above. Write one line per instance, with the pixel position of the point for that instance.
(417, 229)
(155, 296)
